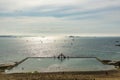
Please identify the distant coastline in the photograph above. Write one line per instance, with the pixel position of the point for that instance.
(70, 36)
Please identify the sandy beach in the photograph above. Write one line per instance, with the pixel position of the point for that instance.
(93, 75)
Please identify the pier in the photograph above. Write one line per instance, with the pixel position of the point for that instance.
(3, 67)
(17, 63)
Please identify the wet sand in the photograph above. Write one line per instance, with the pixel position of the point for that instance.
(94, 75)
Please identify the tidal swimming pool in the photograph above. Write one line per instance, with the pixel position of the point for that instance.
(57, 65)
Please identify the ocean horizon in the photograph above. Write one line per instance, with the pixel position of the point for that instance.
(16, 48)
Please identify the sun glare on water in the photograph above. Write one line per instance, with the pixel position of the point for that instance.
(41, 46)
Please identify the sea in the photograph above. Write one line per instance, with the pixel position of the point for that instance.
(16, 48)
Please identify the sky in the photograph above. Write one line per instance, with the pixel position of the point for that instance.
(53, 17)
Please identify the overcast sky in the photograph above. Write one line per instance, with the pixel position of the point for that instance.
(80, 17)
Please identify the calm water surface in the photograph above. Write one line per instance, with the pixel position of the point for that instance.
(16, 48)
(55, 65)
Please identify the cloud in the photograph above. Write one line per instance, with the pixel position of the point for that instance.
(57, 8)
(51, 25)
(13, 6)
(60, 16)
